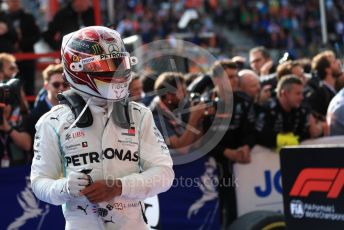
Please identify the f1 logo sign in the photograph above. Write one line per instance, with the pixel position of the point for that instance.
(330, 180)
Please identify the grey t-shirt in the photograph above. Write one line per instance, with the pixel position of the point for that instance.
(335, 114)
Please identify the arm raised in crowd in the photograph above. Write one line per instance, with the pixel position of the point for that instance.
(193, 130)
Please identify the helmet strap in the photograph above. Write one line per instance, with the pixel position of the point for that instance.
(120, 113)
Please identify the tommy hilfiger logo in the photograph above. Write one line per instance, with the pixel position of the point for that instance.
(129, 132)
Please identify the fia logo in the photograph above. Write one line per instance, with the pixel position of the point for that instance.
(296, 209)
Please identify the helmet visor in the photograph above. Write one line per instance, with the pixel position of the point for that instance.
(110, 63)
(111, 77)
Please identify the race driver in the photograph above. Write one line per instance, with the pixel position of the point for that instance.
(95, 154)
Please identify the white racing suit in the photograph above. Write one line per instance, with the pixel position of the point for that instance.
(137, 156)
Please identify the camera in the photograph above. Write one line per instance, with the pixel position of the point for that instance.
(201, 89)
(213, 103)
(201, 84)
(196, 98)
(9, 95)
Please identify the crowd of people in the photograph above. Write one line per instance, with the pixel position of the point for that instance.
(280, 24)
(289, 97)
(274, 105)
(290, 24)
(19, 32)
(18, 118)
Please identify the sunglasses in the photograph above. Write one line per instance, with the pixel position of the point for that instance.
(57, 84)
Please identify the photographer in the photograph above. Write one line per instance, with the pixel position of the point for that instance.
(15, 141)
(9, 70)
(262, 63)
(179, 131)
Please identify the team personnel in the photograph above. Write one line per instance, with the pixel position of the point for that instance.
(237, 141)
(283, 121)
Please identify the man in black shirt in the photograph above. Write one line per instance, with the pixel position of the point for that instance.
(327, 69)
(8, 35)
(283, 120)
(239, 138)
(76, 15)
(27, 35)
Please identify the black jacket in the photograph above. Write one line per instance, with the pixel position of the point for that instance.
(320, 100)
(9, 39)
(241, 128)
(26, 24)
(64, 22)
(40, 108)
(272, 119)
(240, 131)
